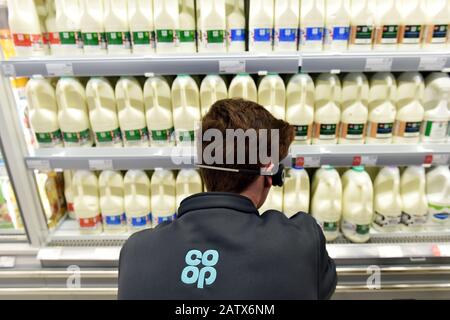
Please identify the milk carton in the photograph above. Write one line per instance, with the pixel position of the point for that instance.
(362, 25)
(437, 21)
(142, 28)
(261, 25)
(274, 200)
(296, 192)
(438, 193)
(166, 13)
(212, 89)
(287, 18)
(92, 27)
(243, 86)
(68, 14)
(213, 26)
(337, 25)
(163, 199)
(272, 95)
(102, 105)
(387, 21)
(187, 35)
(111, 191)
(414, 198)
(312, 22)
(137, 200)
(117, 27)
(413, 14)
(188, 183)
(236, 27)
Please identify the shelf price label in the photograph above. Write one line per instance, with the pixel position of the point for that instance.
(59, 69)
(9, 70)
(441, 159)
(364, 161)
(99, 165)
(305, 162)
(232, 66)
(7, 262)
(432, 63)
(390, 252)
(42, 165)
(379, 64)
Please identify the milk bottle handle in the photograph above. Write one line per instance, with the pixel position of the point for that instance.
(333, 88)
(365, 195)
(98, 103)
(303, 84)
(245, 91)
(272, 91)
(63, 95)
(390, 84)
(236, 6)
(127, 100)
(183, 6)
(359, 89)
(183, 93)
(213, 90)
(34, 100)
(155, 95)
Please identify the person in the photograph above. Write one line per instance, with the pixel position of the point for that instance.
(219, 247)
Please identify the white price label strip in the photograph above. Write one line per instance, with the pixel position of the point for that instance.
(444, 250)
(441, 159)
(369, 160)
(233, 66)
(101, 165)
(432, 63)
(390, 252)
(379, 64)
(59, 69)
(9, 70)
(7, 262)
(43, 165)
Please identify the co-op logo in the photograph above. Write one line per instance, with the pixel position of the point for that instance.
(204, 274)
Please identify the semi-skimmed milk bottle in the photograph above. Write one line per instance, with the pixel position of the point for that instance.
(142, 28)
(387, 202)
(111, 190)
(163, 198)
(117, 27)
(131, 112)
(327, 113)
(166, 13)
(357, 205)
(102, 105)
(300, 96)
(413, 15)
(296, 192)
(188, 183)
(243, 86)
(362, 25)
(158, 111)
(261, 25)
(414, 198)
(187, 34)
(43, 113)
(73, 113)
(86, 201)
(387, 21)
(186, 108)
(52, 32)
(287, 19)
(25, 28)
(337, 25)
(438, 193)
(272, 95)
(437, 23)
(382, 110)
(410, 112)
(68, 193)
(68, 14)
(212, 89)
(236, 26)
(326, 201)
(213, 25)
(137, 200)
(355, 100)
(274, 200)
(92, 27)
(312, 23)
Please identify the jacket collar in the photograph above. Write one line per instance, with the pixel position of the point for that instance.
(217, 200)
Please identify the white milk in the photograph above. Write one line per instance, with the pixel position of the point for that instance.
(142, 28)
(414, 198)
(274, 200)
(362, 25)
(355, 100)
(68, 14)
(163, 199)
(102, 105)
(243, 86)
(312, 23)
(272, 95)
(137, 200)
(52, 32)
(412, 27)
(213, 25)
(68, 193)
(327, 113)
(158, 106)
(438, 193)
(261, 25)
(437, 22)
(186, 108)
(86, 201)
(382, 110)
(92, 27)
(73, 113)
(287, 19)
(337, 25)
(111, 192)
(387, 202)
(296, 192)
(212, 89)
(434, 84)
(300, 96)
(25, 28)
(326, 201)
(410, 112)
(43, 113)
(131, 112)
(187, 34)
(236, 28)
(188, 183)
(166, 13)
(387, 21)
(357, 205)
(117, 28)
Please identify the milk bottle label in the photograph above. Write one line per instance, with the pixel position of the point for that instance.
(355, 229)
(236, 35)
(286, 35)
(140, 222)
(77, 139)
(214, 36)
(185, 136)
(53, 38)
(387, 35)
(439, 213)
(90, 223)
(361, 35)
(49, 139)
(186, 36)
(336, 34)
(165, 36)
(413, 220)
(159, 220)
(302, 133)
(411, 34)
(407, 129)
(436, 33)
(115, 220)
(122, 39)
(135, 136)
(262, 35)
(94, 39)
(352, 131)
(143, 38)
(384, 221)
(32, 42)
(325, 131)
(311, 34)
(71, 39)
(108, 138)
(380, 130)
(162, 136)
(435, 129)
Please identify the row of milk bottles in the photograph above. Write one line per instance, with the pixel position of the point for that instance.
(114, 202)
(357, 25)
(74, 27)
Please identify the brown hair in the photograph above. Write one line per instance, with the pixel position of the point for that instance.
(241, 114)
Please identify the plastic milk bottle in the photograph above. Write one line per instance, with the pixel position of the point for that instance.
(163, 198)
(337, 25)
(111, 190)
(117, 27)
(187, 34)
(243, 86)
(312, 22)
(272, 95)
(166, 25)
(296, 192)
(287, 19)
(92, 27)
(261, 25)
(68, 14)
(142, 28)
(137, 200)
(213, 24)
(188, 183)
(414, 198)
(236, 27)
(362, 25)
(212, 89)
(387, 21)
